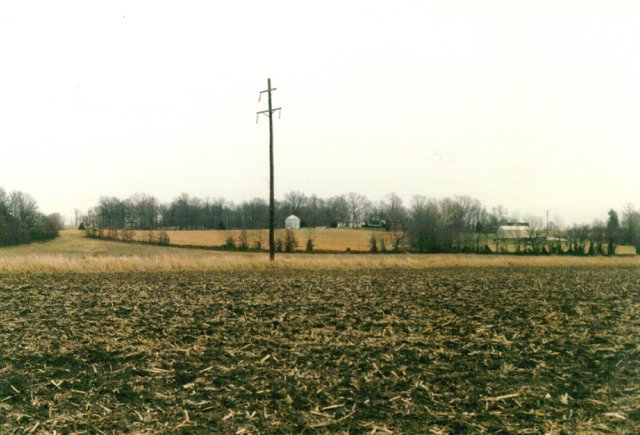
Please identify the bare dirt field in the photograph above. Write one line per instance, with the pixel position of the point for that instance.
(449, 349)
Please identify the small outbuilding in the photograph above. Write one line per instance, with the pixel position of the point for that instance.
(292, 222)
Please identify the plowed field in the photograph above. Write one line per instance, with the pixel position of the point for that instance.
(449, 350)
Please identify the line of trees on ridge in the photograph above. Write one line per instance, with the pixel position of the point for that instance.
(459, 224)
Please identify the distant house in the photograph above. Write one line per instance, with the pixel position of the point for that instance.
(374, 223)
(513, 232)
(292, 222)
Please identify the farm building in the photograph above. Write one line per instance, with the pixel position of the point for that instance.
(374, 223)
(513, 232)
(292, 222)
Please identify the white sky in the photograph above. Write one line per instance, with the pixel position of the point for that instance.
(532, 105)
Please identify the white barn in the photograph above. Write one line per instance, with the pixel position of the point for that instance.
(513, 232)
(292, 222)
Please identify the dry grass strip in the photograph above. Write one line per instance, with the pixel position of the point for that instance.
(194, 260)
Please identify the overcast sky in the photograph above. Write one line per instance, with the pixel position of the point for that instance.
(532, 105)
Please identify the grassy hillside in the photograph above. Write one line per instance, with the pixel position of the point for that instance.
(73, 243)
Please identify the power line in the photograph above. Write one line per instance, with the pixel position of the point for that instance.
(272, 246)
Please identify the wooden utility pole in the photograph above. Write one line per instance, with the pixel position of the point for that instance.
(547, 222)
(272, 244)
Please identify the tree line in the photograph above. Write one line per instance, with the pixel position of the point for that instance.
(21, 222)
(458, 224)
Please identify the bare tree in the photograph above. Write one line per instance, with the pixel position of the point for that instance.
(599, 231)
(295, 202)
(397, 219)
(631, 225)
(613, 229)
(425, 222)
(337, 212)
(22, 206)
(144, 211)
(313, 210)
(472, 211)
(77, 215)
(56, 220)
(535, 232)
(357, 204)
(21, 222)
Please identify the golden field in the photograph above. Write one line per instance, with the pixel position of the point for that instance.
(72, 252)
(324, 239)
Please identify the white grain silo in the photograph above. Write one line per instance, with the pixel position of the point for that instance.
(292, 222)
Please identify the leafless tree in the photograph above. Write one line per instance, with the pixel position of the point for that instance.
(631, 225)
(295, 202)
(22, 206)
(535, 232)
(144, 211)
(57, 220)
(77, 215)
(357, 204)
(397, 219)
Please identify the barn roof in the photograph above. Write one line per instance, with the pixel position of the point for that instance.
(514, 227)
(513, 232)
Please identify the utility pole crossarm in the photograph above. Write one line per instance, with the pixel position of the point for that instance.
(262, 92)
(268, 111)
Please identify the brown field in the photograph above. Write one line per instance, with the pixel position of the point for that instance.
(445, 350)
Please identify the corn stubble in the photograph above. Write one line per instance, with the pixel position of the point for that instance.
(444, 350)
